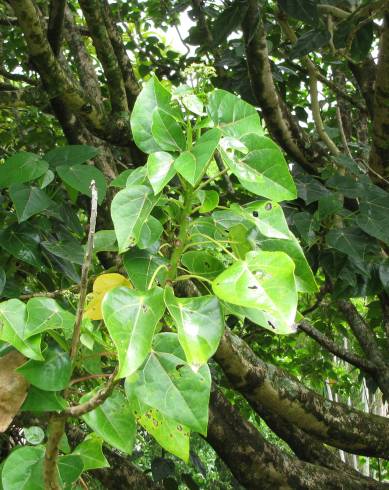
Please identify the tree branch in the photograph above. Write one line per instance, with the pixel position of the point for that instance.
(130, 82)
(278, 118)
(259, 465)
(379, 155)
(55, 25)
(336, 349)
(84, 273)
(368, 342)
(102, 43)
(335, 424)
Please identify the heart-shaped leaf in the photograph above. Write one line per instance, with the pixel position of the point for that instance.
(263, 281)
(160, 170)
(130, 209)
(166, 382)
(199, 323)
(20, 168)
(113, 421)
(131, 317)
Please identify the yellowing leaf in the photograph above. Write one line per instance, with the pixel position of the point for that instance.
(13, 388)
(102, 285)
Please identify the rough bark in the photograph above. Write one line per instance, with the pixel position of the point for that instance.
(259, 465)
(335, 424)
(369, 344)
(379, 156)
(279, 121)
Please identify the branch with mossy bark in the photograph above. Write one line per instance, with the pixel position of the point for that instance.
(336, 424)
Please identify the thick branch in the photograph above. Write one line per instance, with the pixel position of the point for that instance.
(55, 25)
(279, 120)
(379, 156)
(102, 43)
(259, 465)
(57, 82)
(334, 423)
(130, 82)
(336, 349)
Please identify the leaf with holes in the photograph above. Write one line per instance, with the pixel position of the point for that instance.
(166, 382)
(263, 281)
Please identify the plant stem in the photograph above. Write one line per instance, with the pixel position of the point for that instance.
(56, 429)
(84, 273)
(180, 242)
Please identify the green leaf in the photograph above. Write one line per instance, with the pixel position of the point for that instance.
(150, 233)
(166, 382)
(34, 435)
(153, 95)
(263, 281)
(209, 200)
(91, 452)
(79, 177)
(269, 218)
(171, 435)
(130, 209)
(105, 241)
(45, 314)
(53, 374)
(141, 265)
(23, 469)
(70, 467)
(160, 170)
(113, 421)
(263, 171)
(202, 263)
(43, 401)
(199, 323)
(167, 132)
(70, 250)
(232, 115)
(20, 168)
(305, 10)
(310, 41)
(131, 317)
(227, 22)
(28, 201)
(46, 179)
(383, 272)
(21, 241)
(70, 155)
(13, 317)
(374, 218)
(192, 164)
(193, 104)
(121, 179)
(305, 281)
(137, 177)
(240, 243)
(352, 242)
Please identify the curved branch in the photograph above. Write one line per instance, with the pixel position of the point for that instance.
(257, 464)
(335, 424)
(336, 349)
(280, 123)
